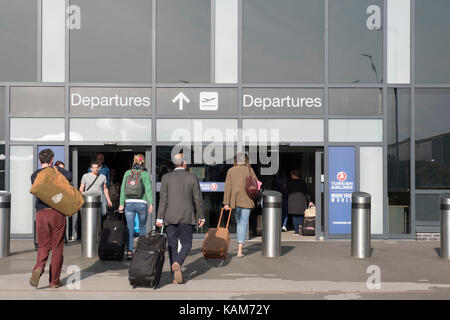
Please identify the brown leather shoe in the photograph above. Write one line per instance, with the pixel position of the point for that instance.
(177, 276)
(57, 285)
(35, 276)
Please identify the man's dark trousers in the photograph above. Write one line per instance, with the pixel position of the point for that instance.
(182, 232)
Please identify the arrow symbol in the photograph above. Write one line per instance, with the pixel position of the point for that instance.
(181, 98)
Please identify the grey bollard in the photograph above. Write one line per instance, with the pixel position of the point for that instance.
(360, 225)
(90, 224)
(5, 223)
(271, 233)
(445, 226)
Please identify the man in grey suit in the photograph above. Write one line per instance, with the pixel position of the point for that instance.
(179, 201)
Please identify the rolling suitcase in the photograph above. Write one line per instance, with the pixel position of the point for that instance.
(113, 238)
(217, 240)
(148, 260)
(309, 223)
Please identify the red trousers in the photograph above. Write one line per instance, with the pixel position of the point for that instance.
(50, 229)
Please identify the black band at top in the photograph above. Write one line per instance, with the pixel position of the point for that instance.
(360, 205)
(92, 205)
(445, 206)
(5, 205)
(272, 205)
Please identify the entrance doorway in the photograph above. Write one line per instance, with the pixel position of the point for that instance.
(118, 159)
(308, 161)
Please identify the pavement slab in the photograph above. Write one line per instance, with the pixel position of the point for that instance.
(305, 270)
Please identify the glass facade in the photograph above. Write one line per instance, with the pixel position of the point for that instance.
(115, 47)
(183, 41)
(19, 40)
(399, 160)
(314, 74)
(283, 41)
(355, 41)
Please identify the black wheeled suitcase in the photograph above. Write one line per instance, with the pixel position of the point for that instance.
(114, 237)
(148, 260)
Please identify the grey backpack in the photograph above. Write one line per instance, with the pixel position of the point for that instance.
(134, 188)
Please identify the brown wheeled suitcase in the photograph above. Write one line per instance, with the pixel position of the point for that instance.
(217, 240)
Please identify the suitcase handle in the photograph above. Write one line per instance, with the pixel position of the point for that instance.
(162, 228)
(220, 219)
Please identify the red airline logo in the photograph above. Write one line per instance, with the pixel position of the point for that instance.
(214, 186)
(342, 176)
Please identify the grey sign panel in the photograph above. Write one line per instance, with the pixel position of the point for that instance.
(110, 101)
(37, 101)
(282, 101)
(196, 101)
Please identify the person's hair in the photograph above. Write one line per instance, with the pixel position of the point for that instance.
(94, 162)
(46, 156)
(242, 159)
(178, 160)
(98, 154)
(57, 163)
(296, 173)
(139, 159)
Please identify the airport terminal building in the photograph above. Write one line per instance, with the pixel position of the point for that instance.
(353, 93)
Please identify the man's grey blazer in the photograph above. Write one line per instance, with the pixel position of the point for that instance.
(180, 198)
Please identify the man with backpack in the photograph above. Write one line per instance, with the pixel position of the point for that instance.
(136, 198)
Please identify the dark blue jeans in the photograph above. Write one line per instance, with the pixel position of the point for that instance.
(131, 209)
(297, 220)
(182, 232)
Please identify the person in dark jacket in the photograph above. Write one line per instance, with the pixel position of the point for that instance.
(180, 203)
(298, 199)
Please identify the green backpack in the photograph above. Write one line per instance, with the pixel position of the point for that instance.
(134, 189)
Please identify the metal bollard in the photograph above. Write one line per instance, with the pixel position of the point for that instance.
(360, 225)
(90, 228)
(271, 233)
(5, 223)
(445, 226)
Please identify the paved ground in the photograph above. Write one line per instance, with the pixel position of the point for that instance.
(306, 270)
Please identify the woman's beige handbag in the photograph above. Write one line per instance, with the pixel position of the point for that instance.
(310, 212)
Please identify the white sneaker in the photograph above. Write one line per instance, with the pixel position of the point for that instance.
(284, 229)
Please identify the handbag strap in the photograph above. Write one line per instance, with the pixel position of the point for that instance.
(220, 219)
(93, 182)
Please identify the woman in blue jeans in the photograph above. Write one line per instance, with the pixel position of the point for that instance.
(136, 198)
(236, 197)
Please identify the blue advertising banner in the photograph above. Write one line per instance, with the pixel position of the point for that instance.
(341, 184)
(204, 186)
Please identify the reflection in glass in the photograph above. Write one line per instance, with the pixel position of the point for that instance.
(355, 41)
(114, 42)
(37, 129)
(18, 40)
(432, 41)
(183, 41)
(399, 147)
(432, 139)
(355, 102)
(283, 41)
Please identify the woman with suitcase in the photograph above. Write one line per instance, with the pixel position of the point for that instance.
(236, 197)
(136, 198)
